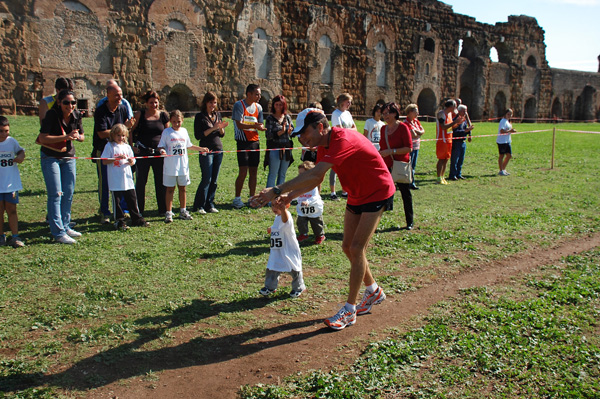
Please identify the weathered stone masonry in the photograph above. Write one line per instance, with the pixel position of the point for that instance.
(407, 51)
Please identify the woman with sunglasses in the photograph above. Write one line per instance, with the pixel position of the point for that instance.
(61, 126)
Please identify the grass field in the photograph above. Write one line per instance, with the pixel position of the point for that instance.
(61, 304)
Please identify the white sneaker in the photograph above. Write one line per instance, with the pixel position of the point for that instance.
(168, 217)
(238, 203)
(185, 215)
(213, 210)
(202, 211)
(73, 233)
(65, 239)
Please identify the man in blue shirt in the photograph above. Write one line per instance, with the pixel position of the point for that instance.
(459, 146)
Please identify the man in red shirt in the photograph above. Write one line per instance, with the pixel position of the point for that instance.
(364, 175)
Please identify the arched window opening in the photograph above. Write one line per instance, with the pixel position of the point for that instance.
(380, 64)
(532, 62)
(494, 57)
(429, 45)
(260, 53)
(177, 25)
(325, 47)
(76, 6)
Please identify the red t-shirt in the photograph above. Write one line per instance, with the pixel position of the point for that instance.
(399, 139)
(360, 168)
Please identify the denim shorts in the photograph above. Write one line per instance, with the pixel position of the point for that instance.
(11, 198)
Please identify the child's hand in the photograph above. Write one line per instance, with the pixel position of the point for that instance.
(268, 230)
(131, 161)
(162, 151)
(304, 203)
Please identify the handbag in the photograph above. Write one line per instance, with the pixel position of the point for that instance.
(61, 146)
(401, 171)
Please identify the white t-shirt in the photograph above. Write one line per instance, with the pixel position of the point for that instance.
(118, 173)
(175, 142)
(314, 209)
(373, 129)
(504, 138)
(343, 119)
(10, 179)
(285, 252)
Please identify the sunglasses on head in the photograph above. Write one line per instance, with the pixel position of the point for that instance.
(66, 102)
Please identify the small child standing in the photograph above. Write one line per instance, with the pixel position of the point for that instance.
(11, 153)
(174, 142)
(310, 209)
(285, 253)
(120, 177)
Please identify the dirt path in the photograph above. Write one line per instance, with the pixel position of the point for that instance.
(224, 364)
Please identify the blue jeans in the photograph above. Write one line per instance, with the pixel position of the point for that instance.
(413, 163)
(210, 164)
(277, 168)
(459, 147)
(59, 175)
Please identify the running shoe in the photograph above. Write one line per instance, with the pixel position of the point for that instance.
(168, 217)
(333, 196)
(238, 203)
(185, 215)
(369, 299)
(302, 237)
(65, 239)
(319, 239)
(264, 291)
(15, 242)
(73, 234)
(213, 210)
(296, 294)
(342, 319)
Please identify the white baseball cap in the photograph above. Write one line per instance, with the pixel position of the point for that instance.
(307, 117)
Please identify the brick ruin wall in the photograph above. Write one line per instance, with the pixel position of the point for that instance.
(393, 50)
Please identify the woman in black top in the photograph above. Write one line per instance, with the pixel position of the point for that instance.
(279, 126)
(60, 127)
(149, 125)
(209, 128)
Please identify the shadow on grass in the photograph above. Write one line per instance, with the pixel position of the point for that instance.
(132, 359)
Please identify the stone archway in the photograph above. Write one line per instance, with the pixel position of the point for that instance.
(180, 97)
(557, 108)
(530, 111)
(499, 104)
(466, 96)
(427, 102)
